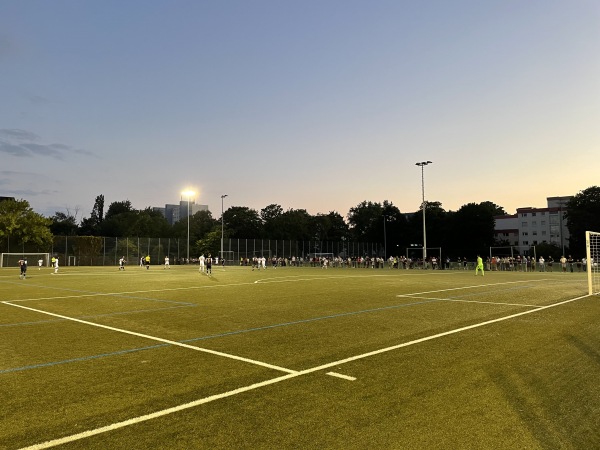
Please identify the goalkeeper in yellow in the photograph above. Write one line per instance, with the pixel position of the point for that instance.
(479, 266)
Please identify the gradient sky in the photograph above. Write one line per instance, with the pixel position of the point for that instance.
(314, 105)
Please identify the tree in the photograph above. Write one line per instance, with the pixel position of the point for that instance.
(330, 227)
(63, 224)
(242, 223)
(270, 216)
(19, 223)
(471, 229)
(91, 226)
(583, 214)
(364, 220)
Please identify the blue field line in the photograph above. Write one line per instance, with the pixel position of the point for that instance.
(99, 315)
(213, 336)
(99, 294)
(84, 358)
(314, 319)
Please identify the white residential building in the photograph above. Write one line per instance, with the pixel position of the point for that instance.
(532, 226)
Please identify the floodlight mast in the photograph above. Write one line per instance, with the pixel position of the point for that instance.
(422, 165)
(188, 193)
(222, 223)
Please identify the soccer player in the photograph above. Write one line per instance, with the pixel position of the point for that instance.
(479, 266)
(122, 263)
(40, 263)
(209, 265)
(55, 264)
(167, 266)
(202, 263)
(147, 260)
(23, 267)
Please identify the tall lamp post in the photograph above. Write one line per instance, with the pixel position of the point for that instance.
(384, 238)
(188, 193)
(422, 164)
(222, 225)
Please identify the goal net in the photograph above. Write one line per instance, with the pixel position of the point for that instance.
(12, 259)
(592, 259)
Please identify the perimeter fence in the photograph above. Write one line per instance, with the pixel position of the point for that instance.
(106, 251)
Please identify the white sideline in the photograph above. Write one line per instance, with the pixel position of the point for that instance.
(291, 375)
(154, 338)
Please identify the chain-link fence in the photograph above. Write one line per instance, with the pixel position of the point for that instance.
(106, 251)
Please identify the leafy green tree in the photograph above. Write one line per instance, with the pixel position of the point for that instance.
(201, 223)
(21, 225)
(271, 218)
(330, 227)
(583, 214)
(435, 223)
(117, 208)
(210, 243)
(471, 229)
(63, 224)
(91, 226)
(242, 223)
(365, 220)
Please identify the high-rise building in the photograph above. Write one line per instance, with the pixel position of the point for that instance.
(173, 212)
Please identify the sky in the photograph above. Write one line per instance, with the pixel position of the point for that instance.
(311, 104)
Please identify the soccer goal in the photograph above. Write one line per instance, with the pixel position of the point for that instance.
(12, 259)
(592, 254)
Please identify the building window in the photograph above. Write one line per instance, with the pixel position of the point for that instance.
(523, 214)
(524, 224)
(525, 233)
(543, 223)
(525, 242)
(534, 224)
(534, 233)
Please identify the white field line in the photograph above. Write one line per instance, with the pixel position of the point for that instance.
(291, 375)
(473, 287)
(339, 375)
(121, 293)
(469, 301)
(154, 338)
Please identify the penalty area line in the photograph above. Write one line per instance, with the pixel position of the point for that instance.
(291, 375)
(155, 338)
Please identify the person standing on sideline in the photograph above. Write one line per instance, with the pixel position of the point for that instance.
(542, 265)
(209, 265)
(167, 265)
(563, 263)
(147, 259)
(479, 266)
(570, 261)
(55, 264)
(202, 263)
(23, 267)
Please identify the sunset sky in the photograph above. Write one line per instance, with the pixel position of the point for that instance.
(314, 105)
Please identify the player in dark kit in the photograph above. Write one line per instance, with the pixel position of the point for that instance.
(23, 266)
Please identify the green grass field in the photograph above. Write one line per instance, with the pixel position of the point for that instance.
(297, 358)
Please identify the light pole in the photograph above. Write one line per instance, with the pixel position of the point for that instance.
(188, 193)
(222, 225)
(384, 238)
(422, 164)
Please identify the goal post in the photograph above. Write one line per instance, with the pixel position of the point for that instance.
(12, 259)
(592, 255)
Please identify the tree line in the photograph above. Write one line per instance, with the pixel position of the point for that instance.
(465, 232)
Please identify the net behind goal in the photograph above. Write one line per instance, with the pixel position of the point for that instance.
(592, 250)
(12, 259)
